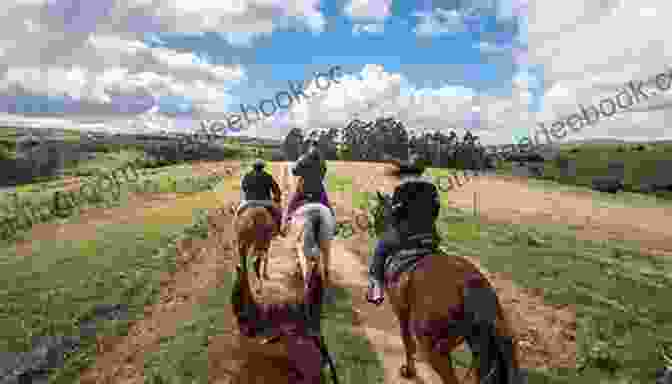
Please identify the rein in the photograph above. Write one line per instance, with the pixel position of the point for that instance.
(322, 345)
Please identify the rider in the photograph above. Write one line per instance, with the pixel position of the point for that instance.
(312, 167)
(257, 186)
(414, 201)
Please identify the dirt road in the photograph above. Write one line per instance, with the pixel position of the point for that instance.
(547, 333)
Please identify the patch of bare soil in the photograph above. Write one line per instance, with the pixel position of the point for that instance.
(510, 200)
(547, 333)
(205, 262)
(84, 226)
(202, 265)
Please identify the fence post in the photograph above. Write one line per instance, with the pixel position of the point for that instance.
(475, 204)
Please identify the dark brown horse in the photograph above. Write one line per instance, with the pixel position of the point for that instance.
(441, 301)
(287, 331)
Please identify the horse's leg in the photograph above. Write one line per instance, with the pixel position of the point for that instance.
(298, 251)
(258, 264)
(265, 259)
(399, 299)
(443, 365)
(325, 248)
(407, 370)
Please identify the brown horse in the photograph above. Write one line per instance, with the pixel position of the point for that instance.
(254, 230)
(287, 331)
(442, 301)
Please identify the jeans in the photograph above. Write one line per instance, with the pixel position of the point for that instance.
(393, 241)
(389, 243)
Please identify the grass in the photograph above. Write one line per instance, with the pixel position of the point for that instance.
(355, 359)
(123, 264)
(592, 160)
(183, 357)
(620, 296)
(177, 179)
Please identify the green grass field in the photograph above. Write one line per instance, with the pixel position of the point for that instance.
(620, 295)
(122, 265)
(592, 160)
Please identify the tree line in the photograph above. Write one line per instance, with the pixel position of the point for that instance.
(387, 138)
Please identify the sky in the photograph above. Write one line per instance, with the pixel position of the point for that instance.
(496, 67)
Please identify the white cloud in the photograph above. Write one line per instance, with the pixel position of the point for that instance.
(590, 50)
(357, 29)
(369, 9)
(439, 22)
(94, 50)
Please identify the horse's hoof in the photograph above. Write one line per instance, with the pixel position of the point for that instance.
(406, 372)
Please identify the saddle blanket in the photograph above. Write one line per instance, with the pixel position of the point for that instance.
(253, 203)
(405, 260)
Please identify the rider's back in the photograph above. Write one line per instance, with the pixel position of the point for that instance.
(312, 168)
(258, 185)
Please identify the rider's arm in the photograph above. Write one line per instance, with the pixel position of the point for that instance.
(398, 200)
(245, 183)
(436, 202)
(275, 188)
(299, 165)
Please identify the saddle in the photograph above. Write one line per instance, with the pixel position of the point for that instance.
(254, 204)
(406, 259)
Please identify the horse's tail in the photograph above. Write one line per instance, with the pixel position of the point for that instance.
(311, 244)
(499, 364)
(507, 346)
(242, 300)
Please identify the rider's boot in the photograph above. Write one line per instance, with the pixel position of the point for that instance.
(376, 292)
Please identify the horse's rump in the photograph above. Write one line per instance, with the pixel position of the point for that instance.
(255, 224)
(433, 288)
(306, 217)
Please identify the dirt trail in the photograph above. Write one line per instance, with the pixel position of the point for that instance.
(204, 265)
(504, 199)
(547, 333)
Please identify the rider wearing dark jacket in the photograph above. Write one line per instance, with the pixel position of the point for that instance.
(258, 185)
(414, 201)
(312, 167)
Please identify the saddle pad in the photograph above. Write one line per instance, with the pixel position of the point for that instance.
(404, 261)
(253, 203)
